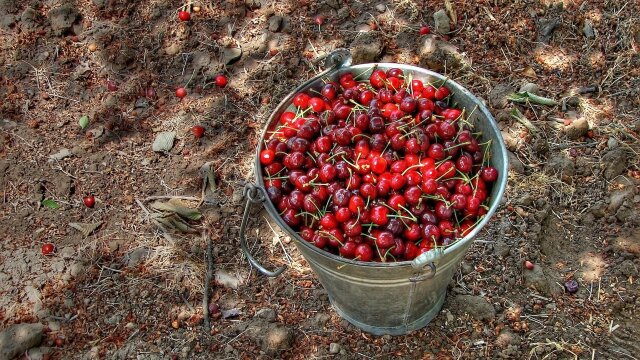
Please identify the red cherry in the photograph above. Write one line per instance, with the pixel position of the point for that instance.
(267, 157)
(442, 93)
(198, 132)
(379, 215)
(184, 16)
(319, 20)
(181, 92)
(489, 174)
(111, 86)
(424, 30)
(48, 249)
(529, 265)
(89, 201)
(363, 252)
(221, 81)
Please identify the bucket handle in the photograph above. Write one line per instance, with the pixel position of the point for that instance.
(427, 259)
(254, 195)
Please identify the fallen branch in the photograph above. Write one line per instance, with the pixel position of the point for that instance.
(207, 284)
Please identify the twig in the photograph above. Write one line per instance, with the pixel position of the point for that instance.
(156, 197)
(207, 282)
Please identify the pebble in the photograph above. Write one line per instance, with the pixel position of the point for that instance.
(381, 8)
(334, 348)
(17, 339)
(442, 22)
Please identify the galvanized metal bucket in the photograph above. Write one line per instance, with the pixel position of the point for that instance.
(383, 298)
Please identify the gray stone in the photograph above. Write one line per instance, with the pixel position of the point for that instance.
(501, 248)
(334, 348)
(267, 314)
(137, 257)
(560, 165)
(17, 339)
(231, 54)
(476, 306)
(201, 59)
(627, 268)
(63, 153)
(506, 338)
(531, 88)
(619, 196)
(435, 53)
(442, 22)
(366, 48)
(515, 164)
(537, 279)
(6, 21)
(577, 129)
(614, 163)
(275, 23)
(164, 141)
(498, 95)
(588, 31)
(381, 8)
(62, 18)
(28, 19)
(38, 353)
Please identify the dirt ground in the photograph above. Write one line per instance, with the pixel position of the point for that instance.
(124, 289)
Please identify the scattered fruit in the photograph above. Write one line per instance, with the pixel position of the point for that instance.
(529, 265)
(319, 20)
(48, 249)
(196, 8)
(111, 86)
(378, 170)
(424, 30)
(184, 16)
(89, 201)
(221, 81)
(181, 92)
(197, 131)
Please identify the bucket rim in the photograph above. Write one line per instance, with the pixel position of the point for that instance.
(500, 184)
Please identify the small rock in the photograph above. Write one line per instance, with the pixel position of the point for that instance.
(231, 54)
(588, 30)
(560, 165)
(515, 164)
(506, 338)
(164, 141)
(612, 143)
(627, 268)
(267, 314)
(381, 8)
(498, 95)
(62, 18)
(38, 353)
(366, 48)
(435, 53)
(547, 26)
(76, 269)
(227, 280)
(173, 49)
(619, 196)
(64, 153)
(275, 23)
(17, 339)
(363, 28)
(277, 338)
(614, 163)
(253, 4)
(201, 59)
(320, 320)
(577, 129)
(531, 88)
(537, 279)
(334, 348)
(476, 306)
(442, 22)
(501, 248)
(137, 256)
(7, 124)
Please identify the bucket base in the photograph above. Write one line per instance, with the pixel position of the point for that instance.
(396, 330)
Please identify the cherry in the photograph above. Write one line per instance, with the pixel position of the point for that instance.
(267, 157)
(184, 16)
(489, 174)
(442, 93)
(198, 132)
(89, 201)
(111, 86)
(221, 81)
(328, 221)
(348, 249)
(181, 92)
(379, 215)
(413, 232)
(412, 195)
(424, 30)
(397, 202)
(48, 249)
(352, 227)
(384, 239)
(290, 217)
(363, 252)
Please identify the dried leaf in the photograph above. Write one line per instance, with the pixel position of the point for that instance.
(451, 12)
(527, 97)
(176, 206)
(83, 122)
(50, 204)
(86, 228)
(174, 222)
(529, 72)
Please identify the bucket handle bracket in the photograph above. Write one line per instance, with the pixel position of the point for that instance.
(254, 195)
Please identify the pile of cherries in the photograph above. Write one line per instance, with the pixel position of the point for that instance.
(378, 170)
